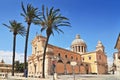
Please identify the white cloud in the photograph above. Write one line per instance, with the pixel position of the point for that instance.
(68, 48)
(7, 56)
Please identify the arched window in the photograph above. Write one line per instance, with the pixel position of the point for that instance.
(82, 48)
(76, 58)
(71, 57)
(35, 66)
(89, 57)
(59, 54)
(83, 59)
(65, 56)
(35, 50)
(79, 48)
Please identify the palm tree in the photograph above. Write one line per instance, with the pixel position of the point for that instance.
(16, 28)
(51, 20)
(30, 14)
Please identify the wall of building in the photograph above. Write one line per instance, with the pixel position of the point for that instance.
(66, 56)
(101, 62)
(86, 63)
(90, 58)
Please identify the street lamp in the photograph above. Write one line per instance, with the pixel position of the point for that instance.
(73, 63)
(53, 68)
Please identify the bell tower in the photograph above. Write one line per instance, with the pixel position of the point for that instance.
(100, 46)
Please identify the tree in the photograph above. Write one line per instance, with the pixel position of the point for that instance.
(19, 67)
(17, 63)
(51, 20)
(16, 28)
(2, 61)
(30, 14)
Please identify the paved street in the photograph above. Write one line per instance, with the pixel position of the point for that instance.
(90, 77)
(70, 77)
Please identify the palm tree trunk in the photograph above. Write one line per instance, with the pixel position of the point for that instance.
(44, 54)
(25, 51)
(13, 61)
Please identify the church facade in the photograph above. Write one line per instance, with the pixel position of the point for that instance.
(59, 59)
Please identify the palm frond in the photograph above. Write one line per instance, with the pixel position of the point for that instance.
(23, 8)
(57, 29)
(16, 27)
(42, 29)
(51, 11)
(47, 12)
(52, 20)
(56, 12)
(22, 14)
(64, 25)
(6, 25)
(43, 13)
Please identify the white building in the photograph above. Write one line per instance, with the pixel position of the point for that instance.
(117, 57)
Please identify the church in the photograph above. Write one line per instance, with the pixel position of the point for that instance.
(59, 59)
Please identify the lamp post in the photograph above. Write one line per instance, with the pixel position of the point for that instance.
(53, 68)
(73, 63)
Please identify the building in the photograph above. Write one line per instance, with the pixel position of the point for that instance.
(116, 57)
(5, 68)
(94, 62)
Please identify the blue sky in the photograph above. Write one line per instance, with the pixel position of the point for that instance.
(93, 19)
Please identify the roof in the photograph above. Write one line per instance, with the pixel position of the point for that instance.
(78, 40)
(117, 42)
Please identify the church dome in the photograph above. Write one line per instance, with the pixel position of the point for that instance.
(78, 41)
(78, 45)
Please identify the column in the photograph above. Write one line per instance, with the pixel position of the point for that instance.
(80, 48)
(77, 48)
(74, 49)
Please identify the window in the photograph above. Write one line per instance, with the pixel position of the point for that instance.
(82, 48)
(118, 57)
(76, 58)
(59, 54)
(71, 57)
(89, 57)
(65, 56)
(35, 50)
(83, 58)
(79, 48)
(86, 64)
(81, 64)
